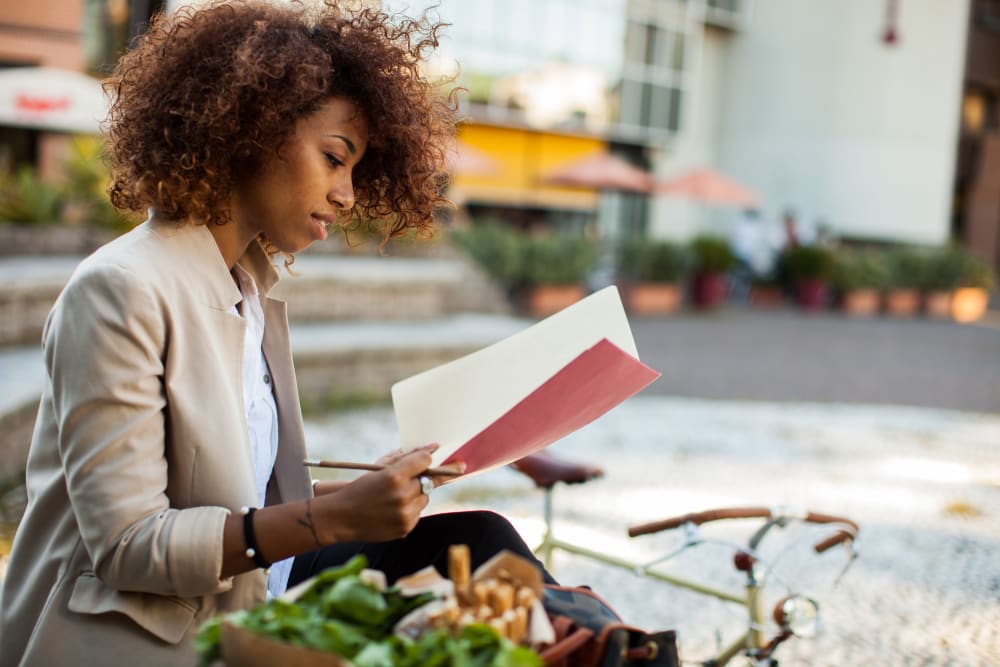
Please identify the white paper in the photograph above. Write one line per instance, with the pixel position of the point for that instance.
(453, 402)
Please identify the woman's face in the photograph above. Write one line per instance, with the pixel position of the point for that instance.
(298, 193)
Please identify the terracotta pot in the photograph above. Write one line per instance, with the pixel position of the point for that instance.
(544, 300)
(937, 305)
(861, 302)
(811, 293)
(766, 296)
(968, 304)
(709, 290)
(652, 298)
(902, 302)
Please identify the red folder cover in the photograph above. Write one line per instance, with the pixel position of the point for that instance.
(597, 380)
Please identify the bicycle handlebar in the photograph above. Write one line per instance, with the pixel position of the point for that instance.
(721, 513)
(699, 518)
(842, 535)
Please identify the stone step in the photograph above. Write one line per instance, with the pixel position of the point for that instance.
(386, 288)
(335, 363)
(349, 361)
(22, 374)
(28, 288)
(326, 287)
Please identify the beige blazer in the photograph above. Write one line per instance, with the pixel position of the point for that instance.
(139, 453)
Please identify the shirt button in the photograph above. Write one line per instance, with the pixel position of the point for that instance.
(267, 379)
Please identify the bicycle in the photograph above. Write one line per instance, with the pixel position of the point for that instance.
(795, 614)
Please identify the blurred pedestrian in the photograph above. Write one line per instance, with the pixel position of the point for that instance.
(754, 255)
(790, 225)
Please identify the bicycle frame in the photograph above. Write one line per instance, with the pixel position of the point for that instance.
(752, 643)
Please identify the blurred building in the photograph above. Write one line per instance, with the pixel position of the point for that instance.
(69, 45)
(878, 118)
(873, 118)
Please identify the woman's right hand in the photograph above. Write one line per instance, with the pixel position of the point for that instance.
(377, 506)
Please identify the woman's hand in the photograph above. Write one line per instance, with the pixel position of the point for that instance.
(377, 506)
(391, 457)
(321, 487)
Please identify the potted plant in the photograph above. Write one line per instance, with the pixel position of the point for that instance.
(807, 271)
(713, 259)
(859, 277)
(941, 273)
(495, 247)
(25, 198)
(907, 273)
(766, 292)
(974, 280)
(653, 274)
(552, 271)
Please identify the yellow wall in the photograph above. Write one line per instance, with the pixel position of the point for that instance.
(521, 157)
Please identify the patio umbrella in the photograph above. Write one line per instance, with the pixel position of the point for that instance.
(709, 186)
(600, 171)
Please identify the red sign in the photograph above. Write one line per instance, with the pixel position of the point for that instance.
(36, 104)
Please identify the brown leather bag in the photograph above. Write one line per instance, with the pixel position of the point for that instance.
(589, 633)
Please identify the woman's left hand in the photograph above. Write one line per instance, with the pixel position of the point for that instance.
(391, 457)
(321, 487)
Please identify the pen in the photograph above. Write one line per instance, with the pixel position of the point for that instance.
(348, 465)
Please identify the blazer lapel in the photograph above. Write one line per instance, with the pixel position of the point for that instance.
(289, 472)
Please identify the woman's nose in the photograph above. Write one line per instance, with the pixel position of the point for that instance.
(342, 194)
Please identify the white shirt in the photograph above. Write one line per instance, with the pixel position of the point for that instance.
(261, 410)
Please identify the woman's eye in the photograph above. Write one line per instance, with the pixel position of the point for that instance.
(332, 159)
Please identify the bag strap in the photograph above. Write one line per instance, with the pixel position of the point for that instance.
(565, 647)
(647, 652)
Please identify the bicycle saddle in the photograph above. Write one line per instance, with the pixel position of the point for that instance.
(546, 470)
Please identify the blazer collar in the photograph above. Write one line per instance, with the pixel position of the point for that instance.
(257, 263)
(202, 257)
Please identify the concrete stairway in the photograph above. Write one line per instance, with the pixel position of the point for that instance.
(358, 324)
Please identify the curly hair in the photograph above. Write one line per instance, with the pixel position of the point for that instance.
(208, 92)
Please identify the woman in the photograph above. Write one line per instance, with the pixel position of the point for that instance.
(170, 410)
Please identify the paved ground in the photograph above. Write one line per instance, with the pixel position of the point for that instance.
(924, 484)
(895, 424)
(787, 355)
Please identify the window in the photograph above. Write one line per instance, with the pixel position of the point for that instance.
(652, 88)
(109, 26)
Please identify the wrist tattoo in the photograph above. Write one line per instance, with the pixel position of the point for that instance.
(308, 523)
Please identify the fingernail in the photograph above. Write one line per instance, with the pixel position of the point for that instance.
(431, 447)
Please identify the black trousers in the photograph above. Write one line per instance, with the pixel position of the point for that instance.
(485, 533)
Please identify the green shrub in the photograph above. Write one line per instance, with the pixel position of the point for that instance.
(80, 199)
(518, 259)
(908, 267)
(976, 272)
(556, 259)
(953, 266)
(496, 247)
(654, 261)
(860, 269)
(806, 263)
(712, 254)
(26, 198)
(87, 180)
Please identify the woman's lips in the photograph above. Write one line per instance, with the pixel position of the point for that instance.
(320, 227)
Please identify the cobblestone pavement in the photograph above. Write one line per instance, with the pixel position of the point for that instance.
(924, 484)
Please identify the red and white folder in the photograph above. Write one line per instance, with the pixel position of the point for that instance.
(523, 393)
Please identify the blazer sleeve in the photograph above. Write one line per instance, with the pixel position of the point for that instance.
(104, 349)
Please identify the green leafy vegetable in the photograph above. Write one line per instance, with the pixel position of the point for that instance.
(342, 613)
